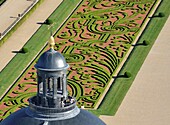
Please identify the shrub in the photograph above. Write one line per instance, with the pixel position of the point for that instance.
(48, 22)
(145, 42)
(24, 50)
(161, 14)
(127, 74)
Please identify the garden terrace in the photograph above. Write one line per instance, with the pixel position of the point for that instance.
(94, 41)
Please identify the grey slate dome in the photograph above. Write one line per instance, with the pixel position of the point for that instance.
(51, 60)
(21, 118)
(52, 105)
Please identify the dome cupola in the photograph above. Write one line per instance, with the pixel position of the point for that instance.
(51, 72)
(51, 60)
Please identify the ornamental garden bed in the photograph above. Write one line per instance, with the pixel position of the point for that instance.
(94, 41)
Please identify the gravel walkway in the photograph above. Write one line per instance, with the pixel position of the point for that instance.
(9, 12)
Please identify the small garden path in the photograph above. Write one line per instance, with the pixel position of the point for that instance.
(26, 30)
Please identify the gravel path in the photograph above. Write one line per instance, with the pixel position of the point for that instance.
(26, 30)
(147, 101)
(9, 12)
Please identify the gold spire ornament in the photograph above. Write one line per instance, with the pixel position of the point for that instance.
(51, 42)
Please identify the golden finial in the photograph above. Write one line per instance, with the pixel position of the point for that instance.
(51, 42)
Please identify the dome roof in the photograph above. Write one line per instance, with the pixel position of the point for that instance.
(51, 60)
(22, 118)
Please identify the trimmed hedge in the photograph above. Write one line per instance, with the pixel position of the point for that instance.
(49, 22)
(161, 14)
(24, 50)
(127, 74)
(145, 42)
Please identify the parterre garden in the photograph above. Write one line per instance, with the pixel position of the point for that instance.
(94, 41)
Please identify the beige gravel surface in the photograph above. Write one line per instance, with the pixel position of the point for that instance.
(148, 100)
(26, 30)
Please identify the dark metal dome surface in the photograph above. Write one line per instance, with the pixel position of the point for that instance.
(22, 118)
(51, 60)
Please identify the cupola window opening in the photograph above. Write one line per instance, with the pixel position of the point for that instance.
(40, 85)
(59, 84)
(50, 86)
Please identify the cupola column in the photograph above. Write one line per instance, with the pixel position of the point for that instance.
(44, 92)
(61, 82)
(64, 86)
(38, 89)
(44, 87)
(55, 88)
